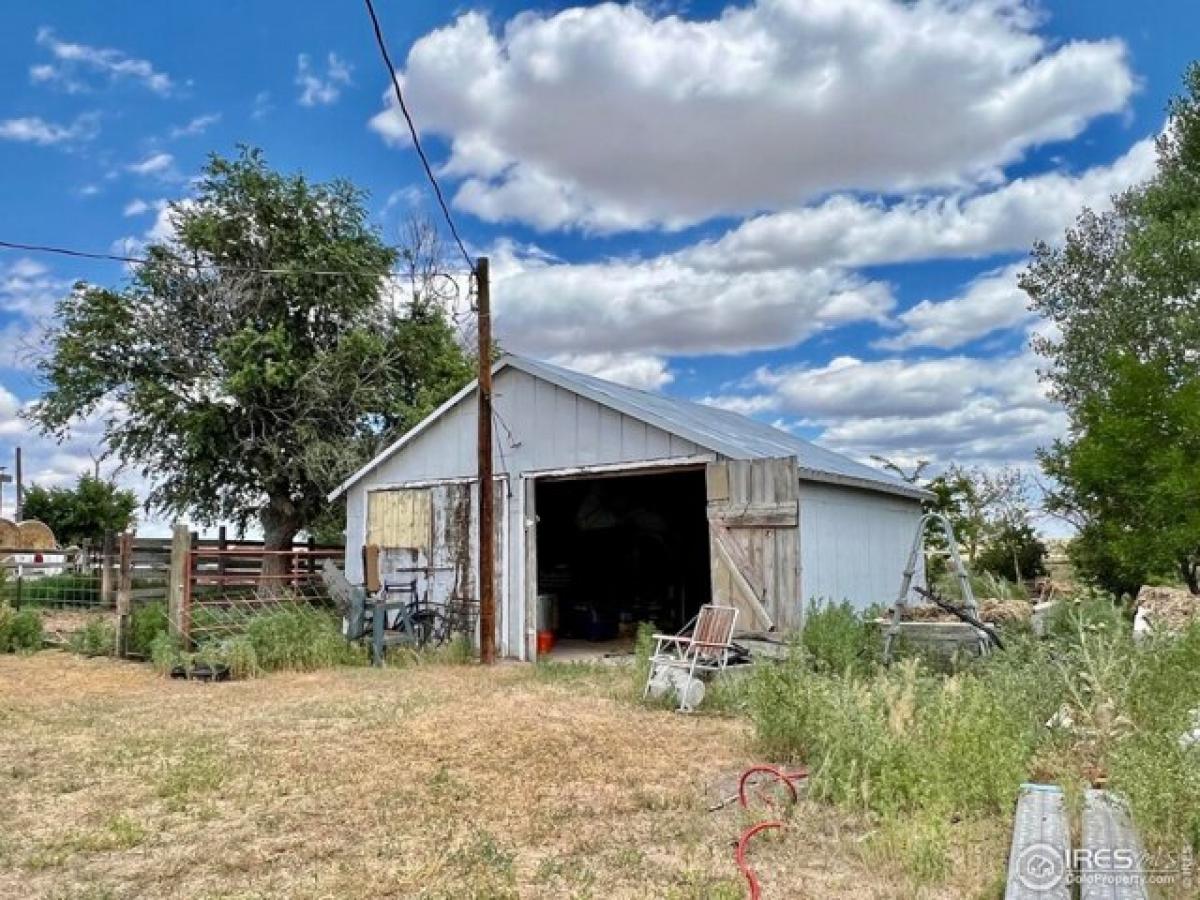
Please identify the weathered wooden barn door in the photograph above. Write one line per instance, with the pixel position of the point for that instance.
(754, 540)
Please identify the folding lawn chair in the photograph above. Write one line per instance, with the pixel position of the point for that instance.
(703, 645)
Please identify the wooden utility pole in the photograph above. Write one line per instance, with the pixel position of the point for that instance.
(487, 497)
(20, 489)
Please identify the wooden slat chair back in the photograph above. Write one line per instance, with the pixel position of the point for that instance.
(705, 649)
(714, 630)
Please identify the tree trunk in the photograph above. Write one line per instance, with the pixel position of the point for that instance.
(280, 526)
(1191, 575)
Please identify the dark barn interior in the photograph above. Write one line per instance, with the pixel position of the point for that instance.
(618, 550)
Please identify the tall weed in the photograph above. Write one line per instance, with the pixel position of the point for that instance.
(20, 630)
(146, 622)
(921, 748)
(837, 639)
(299, 639)
(97, 638)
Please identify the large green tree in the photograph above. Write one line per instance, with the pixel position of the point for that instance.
(246, 394)
(1123, 296)
(81, 513)
(991, 514)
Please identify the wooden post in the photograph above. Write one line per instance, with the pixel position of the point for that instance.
(222, 546)
(106, 570)
(124, 592)
(487, 528)
(179, 612)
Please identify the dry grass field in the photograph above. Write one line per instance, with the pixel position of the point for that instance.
(426, 781)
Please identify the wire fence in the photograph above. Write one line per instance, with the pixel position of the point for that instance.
(74, 577)
(121, 590)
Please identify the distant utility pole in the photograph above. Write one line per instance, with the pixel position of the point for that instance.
(487, 531)
(20, 490)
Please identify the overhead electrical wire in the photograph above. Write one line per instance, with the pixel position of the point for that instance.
(451, 310)
(201, 265)
(412, 130)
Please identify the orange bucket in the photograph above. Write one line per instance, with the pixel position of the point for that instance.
(545, 642)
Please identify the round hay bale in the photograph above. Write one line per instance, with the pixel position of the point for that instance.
(10, 536)
(35, 535)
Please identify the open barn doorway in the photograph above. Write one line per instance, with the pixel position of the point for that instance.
(617, 550)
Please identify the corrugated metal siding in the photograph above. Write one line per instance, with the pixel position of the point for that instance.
(728, 433)
(551, 427)
(617, 420)
(853, 544)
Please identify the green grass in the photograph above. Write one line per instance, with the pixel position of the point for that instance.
(67, 589)
(300, 639)
(288, 638)
(920, 749)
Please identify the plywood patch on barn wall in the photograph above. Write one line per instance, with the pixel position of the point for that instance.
(402, 518)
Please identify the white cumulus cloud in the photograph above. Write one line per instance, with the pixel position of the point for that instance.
(321, 90)
(851, 231)
(638, 370)
(963, 408)
(991, 302)
(73, 63)
(36, 130)
(612, 117)
(663, 306)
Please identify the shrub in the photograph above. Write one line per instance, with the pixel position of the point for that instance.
(643, 646)
(20, 630)
(836, 638)
(146, 622)
(1160, 777)
(1014, 552)
(165, 653)
(287, 638)
(300, 639)
(899, 741)
(1088, 613)
(98, 638)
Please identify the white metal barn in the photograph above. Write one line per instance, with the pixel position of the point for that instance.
(616, 505)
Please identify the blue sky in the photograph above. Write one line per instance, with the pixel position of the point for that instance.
(812, 211)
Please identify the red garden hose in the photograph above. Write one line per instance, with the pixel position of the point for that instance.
(789, 780)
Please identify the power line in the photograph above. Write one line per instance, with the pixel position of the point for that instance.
(412, 130)
(201, 265)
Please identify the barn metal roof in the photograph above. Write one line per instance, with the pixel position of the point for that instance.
(727, 433)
